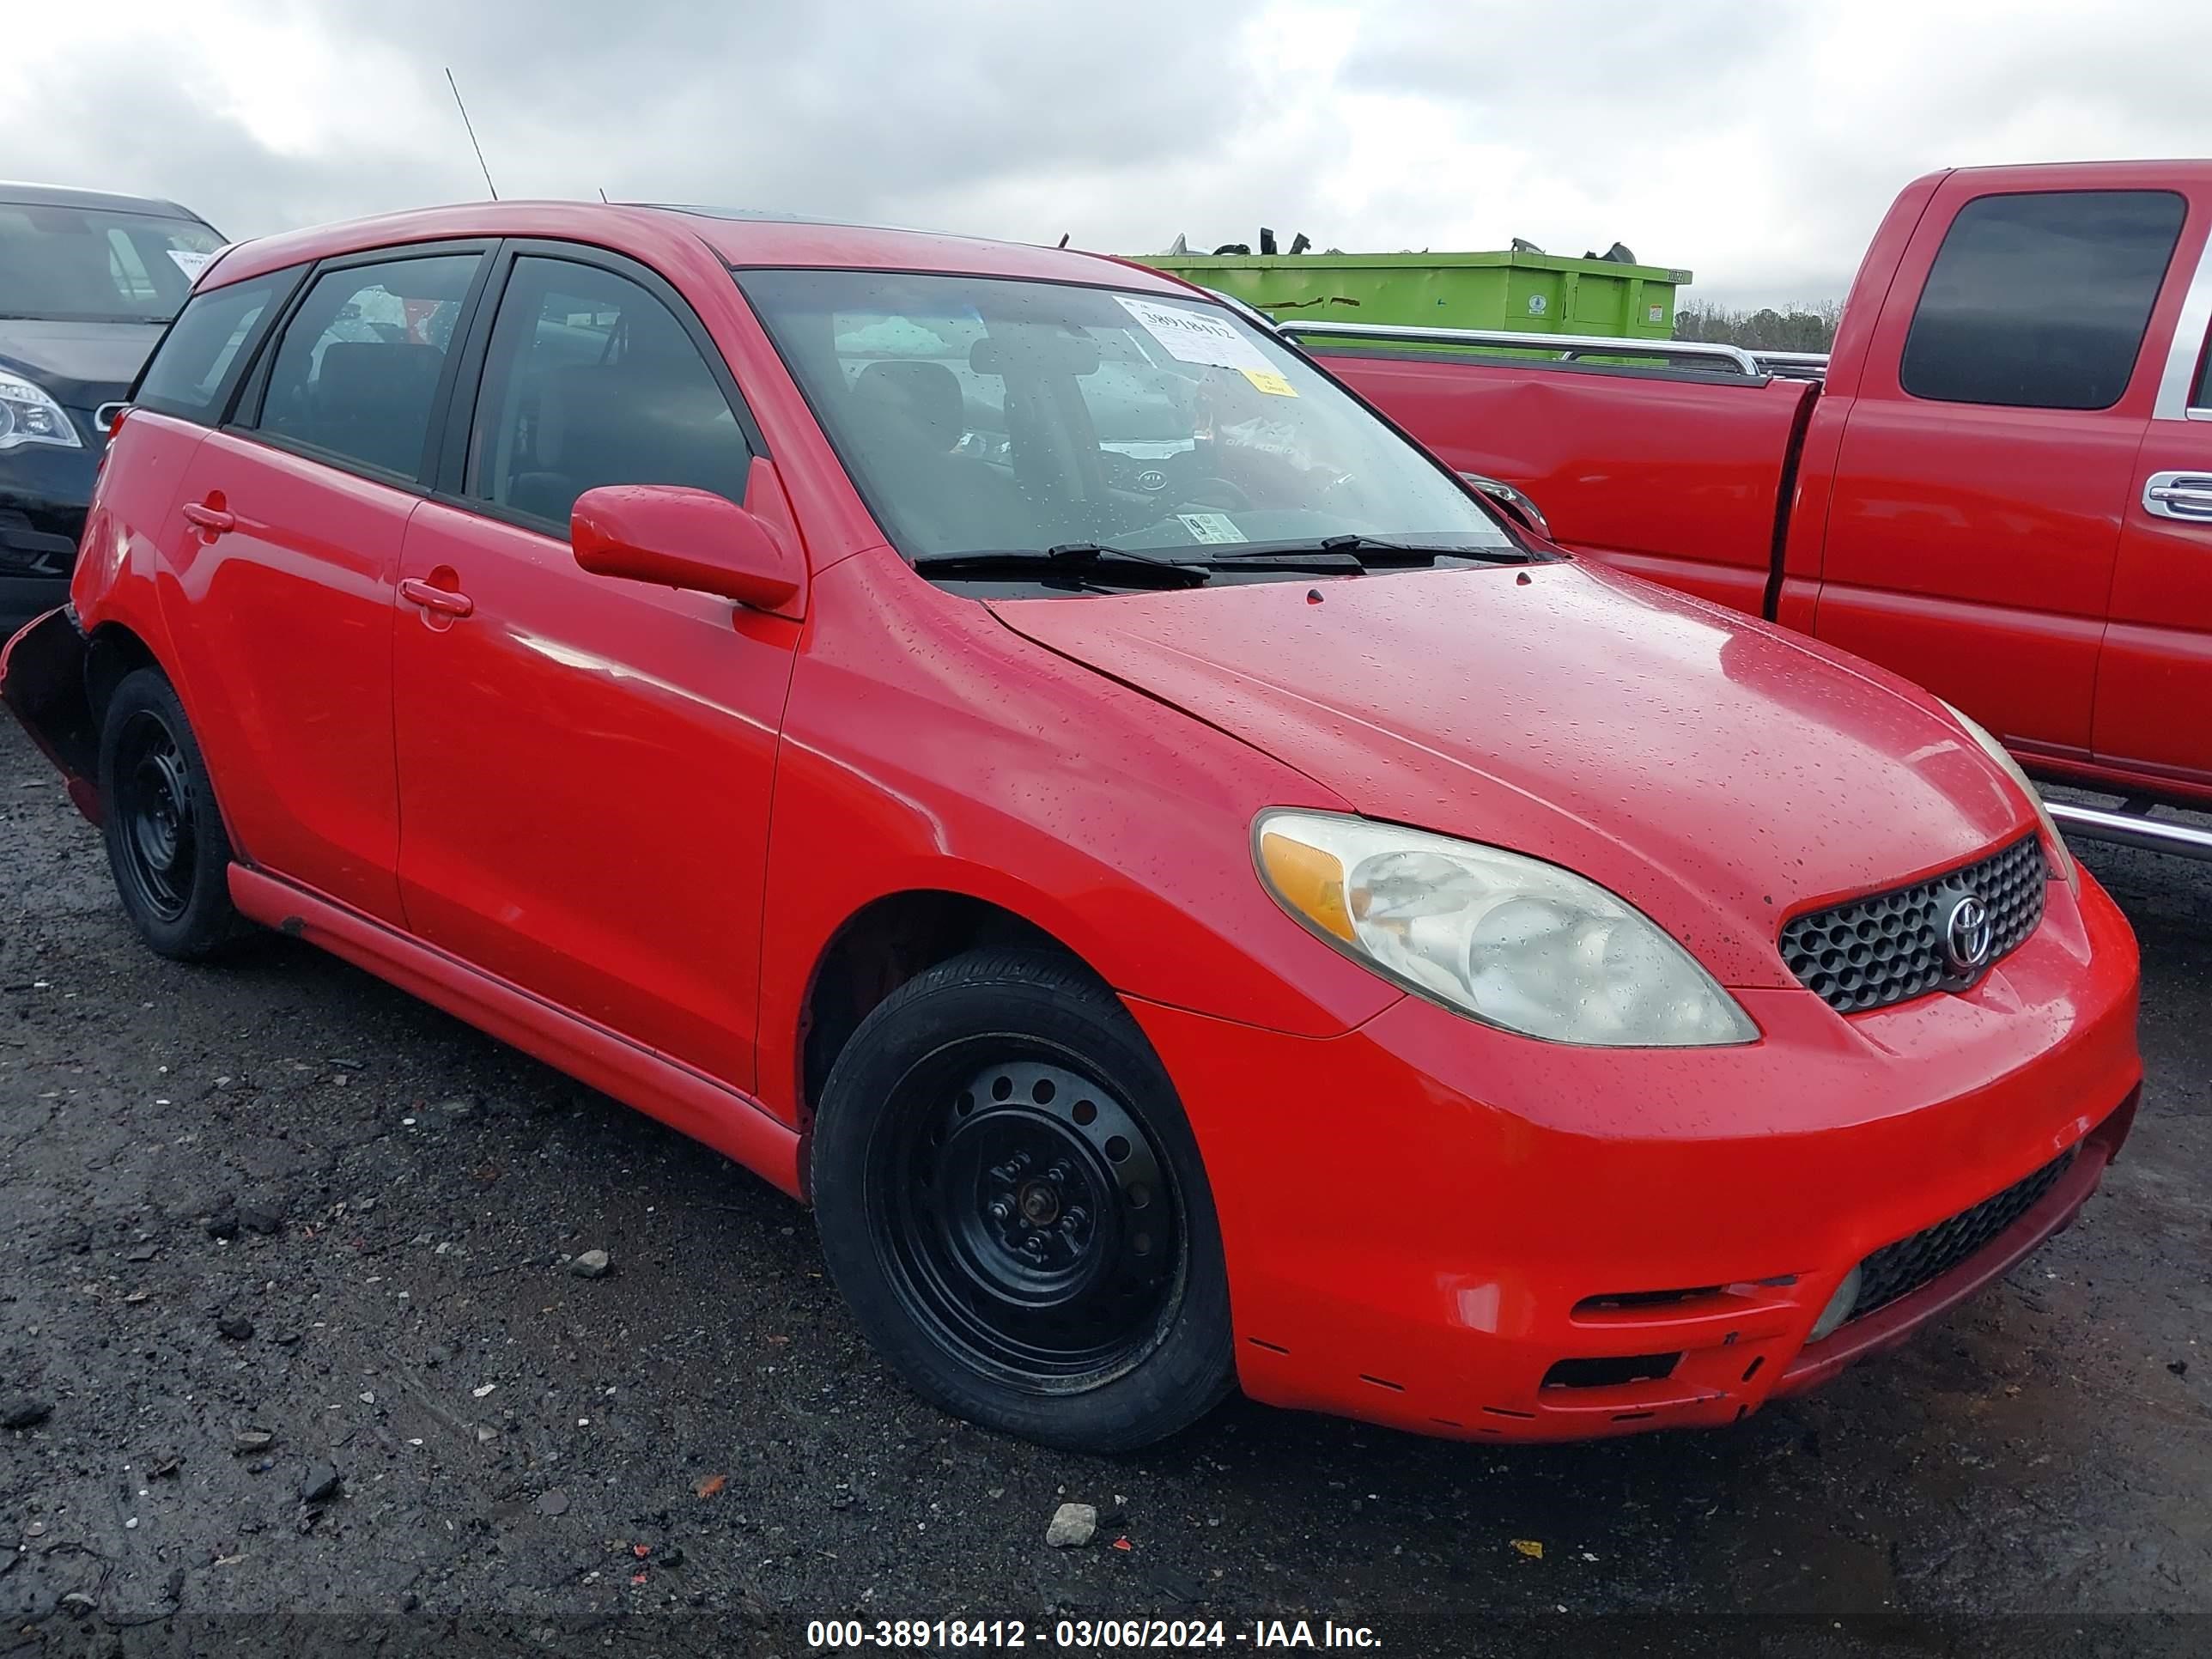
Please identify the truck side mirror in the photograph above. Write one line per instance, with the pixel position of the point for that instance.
(1515, 505)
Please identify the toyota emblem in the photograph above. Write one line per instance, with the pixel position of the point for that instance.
(1968, 934)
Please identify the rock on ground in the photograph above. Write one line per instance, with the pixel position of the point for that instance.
(1072, 1526)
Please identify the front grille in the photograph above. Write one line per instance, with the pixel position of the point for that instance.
(1889, 947)
(1901, 1269)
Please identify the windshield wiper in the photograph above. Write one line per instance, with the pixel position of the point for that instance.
(1369, 552)
(1092, 559)
(1328, 560)
(1100, 561)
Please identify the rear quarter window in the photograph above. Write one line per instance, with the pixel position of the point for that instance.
(195, 364)
(2039, 300)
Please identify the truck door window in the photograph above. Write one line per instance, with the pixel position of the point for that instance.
(2039, 300)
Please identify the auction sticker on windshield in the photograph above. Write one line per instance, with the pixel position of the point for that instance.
(1192, 336)
(1210, 527)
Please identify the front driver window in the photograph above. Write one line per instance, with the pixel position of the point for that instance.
(591, 381)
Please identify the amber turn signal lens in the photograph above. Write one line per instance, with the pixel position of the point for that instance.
(1308, 880)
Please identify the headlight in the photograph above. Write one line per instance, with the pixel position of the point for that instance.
(29, 416)
(2055, 847)
(1513, 941)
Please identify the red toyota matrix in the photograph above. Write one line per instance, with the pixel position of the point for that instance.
(1004, 747)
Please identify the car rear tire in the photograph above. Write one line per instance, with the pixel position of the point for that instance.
(165, 837)
(1012, 1202)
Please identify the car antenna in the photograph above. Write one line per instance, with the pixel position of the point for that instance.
(471, 127)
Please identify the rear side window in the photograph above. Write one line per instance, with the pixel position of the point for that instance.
(191, 369)
(357, 370)
(2039, 300)
(589, 379)
(2203, 397)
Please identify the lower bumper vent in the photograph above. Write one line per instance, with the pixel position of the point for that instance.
(1897, 1270)
(1612, 1370)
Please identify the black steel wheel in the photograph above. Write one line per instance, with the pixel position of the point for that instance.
(1011, 1199)
(165, 844)
(1026, 1215)
(153, 813)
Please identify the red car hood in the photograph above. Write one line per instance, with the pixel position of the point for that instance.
(1714, 771)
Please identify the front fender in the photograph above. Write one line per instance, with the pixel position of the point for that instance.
(42, 681)
(928, 748)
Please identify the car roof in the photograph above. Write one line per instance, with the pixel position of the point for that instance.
(737, 236)
(68, 196)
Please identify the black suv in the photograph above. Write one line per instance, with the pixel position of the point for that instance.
(87, 281)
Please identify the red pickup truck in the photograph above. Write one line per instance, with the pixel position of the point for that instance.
(2002, 489)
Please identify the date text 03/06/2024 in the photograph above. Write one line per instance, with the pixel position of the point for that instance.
(1085, 1634)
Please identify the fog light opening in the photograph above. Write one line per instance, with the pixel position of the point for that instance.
(1840, 1306)
(1611, 1371)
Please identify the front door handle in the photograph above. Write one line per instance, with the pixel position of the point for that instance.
(209, 517)
(2179, 495)
(444, 601)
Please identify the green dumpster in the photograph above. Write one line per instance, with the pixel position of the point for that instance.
(1520, 291)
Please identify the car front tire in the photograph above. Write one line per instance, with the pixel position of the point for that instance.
(1012, 1202)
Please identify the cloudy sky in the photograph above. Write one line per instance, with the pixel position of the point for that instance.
(1754, 141)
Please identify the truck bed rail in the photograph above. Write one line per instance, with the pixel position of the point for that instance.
(1794, 365)
(1699, 354)
(2132, 826)
(1568, 346)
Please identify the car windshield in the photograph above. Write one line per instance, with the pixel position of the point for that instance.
(987, 416)
(97, 264)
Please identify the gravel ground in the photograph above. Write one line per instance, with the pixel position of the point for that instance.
(285, 1264)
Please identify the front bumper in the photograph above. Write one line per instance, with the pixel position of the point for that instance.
(43, 493)
(1435, 1225)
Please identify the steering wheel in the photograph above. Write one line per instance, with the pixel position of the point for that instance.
(1120, 472)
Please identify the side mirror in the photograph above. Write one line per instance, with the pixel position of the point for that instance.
(679, 537)
(1516, 505)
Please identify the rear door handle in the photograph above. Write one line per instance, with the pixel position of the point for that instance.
(444, 601)
(213, 520)
(2185, 495)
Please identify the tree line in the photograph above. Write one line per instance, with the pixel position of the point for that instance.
(1800, 328)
